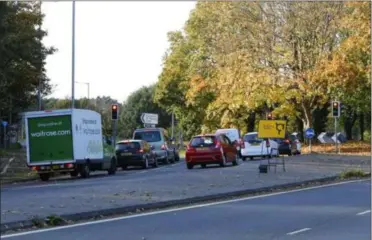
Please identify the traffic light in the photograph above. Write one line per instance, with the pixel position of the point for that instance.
(335, 109)
(269, 116)
(114, 111)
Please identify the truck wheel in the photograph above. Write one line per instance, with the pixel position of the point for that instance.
(85, 170)
(112, 169)
(44, 176)
(74, 173)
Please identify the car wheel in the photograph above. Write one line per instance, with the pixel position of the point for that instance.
(189, 165)
(203, 165)
(124, 167)
(113, 167)
(244, 158)
(145, 164)
(44, 176)
(236, 160)
(223, 163)
(251, 158)
(177, 158)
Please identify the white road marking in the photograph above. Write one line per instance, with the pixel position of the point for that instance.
(173, 210)
(299, 231)
(365, 212)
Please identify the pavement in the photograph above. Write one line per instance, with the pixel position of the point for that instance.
(335, 212)
(171, 182)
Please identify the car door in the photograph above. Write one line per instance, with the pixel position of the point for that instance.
(230, 148)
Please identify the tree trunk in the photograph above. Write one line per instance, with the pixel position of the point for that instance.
(349, 122)
(361, 126)
(250, 121)
(300, 128)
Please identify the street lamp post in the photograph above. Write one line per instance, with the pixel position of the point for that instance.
(73, 57)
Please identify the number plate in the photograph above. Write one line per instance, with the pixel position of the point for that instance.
(126, 154)
(55, 167)
(202, 149)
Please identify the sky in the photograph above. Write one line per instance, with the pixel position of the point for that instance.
(118, 45)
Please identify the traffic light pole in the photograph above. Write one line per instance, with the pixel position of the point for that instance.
(114, 133)
(336, 139)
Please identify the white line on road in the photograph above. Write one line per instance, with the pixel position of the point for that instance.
(365, 212)
(299, 231)
(174, 210)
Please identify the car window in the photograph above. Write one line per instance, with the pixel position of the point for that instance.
(205, 141)
(148, 136)
(128, 146)
(221, 139)
(252, 138)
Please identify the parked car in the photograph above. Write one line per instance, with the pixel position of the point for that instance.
(135, 153)
(234, 135)
(258, 147)
(158, 138)
(290, 145)
(211, 149)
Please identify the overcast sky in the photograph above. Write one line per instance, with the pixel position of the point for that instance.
(119, 45)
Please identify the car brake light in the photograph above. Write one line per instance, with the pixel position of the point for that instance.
(163, 147)
(217, 143)
(140, 150)
(69, 165)
(36, 168)
(190, 149)
(241, 142)
(286, 141)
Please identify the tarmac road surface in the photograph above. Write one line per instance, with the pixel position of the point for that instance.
(333, 212)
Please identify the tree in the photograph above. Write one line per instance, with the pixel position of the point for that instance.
(22, 57)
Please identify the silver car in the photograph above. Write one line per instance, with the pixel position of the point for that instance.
(158, 139)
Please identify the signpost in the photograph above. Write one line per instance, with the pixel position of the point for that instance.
(4, 123)
(149, 119)
(271, 129)
(336, 113)
(309, 133)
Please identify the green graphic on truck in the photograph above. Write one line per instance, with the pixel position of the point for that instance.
(50, 138)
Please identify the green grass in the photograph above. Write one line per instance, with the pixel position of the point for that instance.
(353, 173)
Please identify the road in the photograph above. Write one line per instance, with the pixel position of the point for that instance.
(334, 212)
(129, 188)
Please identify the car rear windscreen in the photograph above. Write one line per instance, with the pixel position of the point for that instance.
(148, 136)
(128, 146)
(206, 141)
(252, 138)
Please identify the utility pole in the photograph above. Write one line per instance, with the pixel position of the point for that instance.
(73, 57)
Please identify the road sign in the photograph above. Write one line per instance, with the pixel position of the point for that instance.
(325, 138)
(272, 129)
(149, 118)
(4, 123)
(309, 133)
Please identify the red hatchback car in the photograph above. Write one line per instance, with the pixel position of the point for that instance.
(211, 149)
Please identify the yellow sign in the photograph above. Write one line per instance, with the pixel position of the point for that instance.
(272, 129)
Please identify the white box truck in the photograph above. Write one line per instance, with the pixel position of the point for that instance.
(67, 141)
